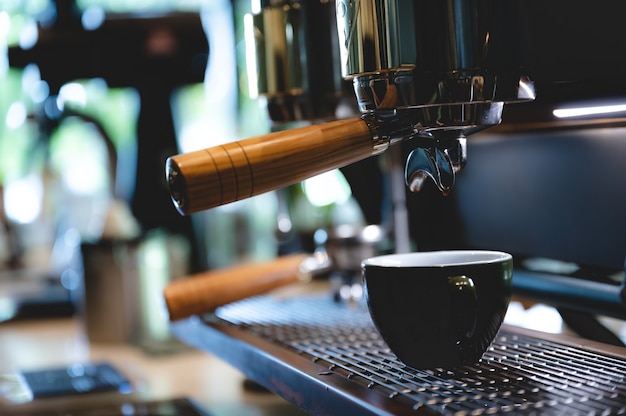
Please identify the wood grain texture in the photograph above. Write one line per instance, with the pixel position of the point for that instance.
(222, 174)
(205, 292)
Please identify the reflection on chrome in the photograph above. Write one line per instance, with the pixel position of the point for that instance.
(590, 110)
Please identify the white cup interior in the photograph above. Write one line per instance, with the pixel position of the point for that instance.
(438, 258)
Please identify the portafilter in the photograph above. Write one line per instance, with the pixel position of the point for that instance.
(428, 70)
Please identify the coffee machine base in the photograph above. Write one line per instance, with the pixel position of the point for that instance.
(327, 358)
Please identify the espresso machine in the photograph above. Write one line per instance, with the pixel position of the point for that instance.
(406, 88)
(432, 78)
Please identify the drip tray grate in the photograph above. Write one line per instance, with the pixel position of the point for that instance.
(519, 374)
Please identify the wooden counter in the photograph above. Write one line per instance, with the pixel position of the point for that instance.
(211, 383)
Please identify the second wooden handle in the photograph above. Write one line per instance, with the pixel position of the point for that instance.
(205, 292)
(222, 174)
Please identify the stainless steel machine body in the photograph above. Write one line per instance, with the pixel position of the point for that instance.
(447, 68)
(429, 69)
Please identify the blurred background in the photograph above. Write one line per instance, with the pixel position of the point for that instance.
(77, 97)
(94, 95)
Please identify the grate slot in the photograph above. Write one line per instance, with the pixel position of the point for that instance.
(553, 374)
(591, 364)
(401, 381)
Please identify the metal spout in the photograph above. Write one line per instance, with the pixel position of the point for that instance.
(440, 163)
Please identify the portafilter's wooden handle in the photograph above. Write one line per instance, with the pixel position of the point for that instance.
(222, 174)
(205, 292)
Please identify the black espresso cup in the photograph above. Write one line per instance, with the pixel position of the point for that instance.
(438, 309)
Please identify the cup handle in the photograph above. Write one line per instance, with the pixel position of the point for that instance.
(464, 304)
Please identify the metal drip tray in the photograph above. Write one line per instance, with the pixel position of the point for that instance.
(327, 358)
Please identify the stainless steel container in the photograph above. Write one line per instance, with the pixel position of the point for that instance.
(111, 310)
(123, 289)
(296, 52)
